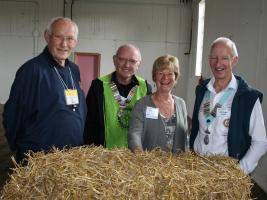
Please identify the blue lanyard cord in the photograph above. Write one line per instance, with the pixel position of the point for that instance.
(63, 82)
(210, 115)
(72, 81)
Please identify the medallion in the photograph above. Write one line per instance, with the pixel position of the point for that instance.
(206, 139)
(226, 122)
(123, 117)
(124, 112)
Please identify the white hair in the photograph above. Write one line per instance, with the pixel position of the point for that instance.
(228, 42)
(56, 19)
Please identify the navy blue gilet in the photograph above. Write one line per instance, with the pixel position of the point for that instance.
(238, 139)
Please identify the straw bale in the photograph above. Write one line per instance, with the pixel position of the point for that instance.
(98, 173)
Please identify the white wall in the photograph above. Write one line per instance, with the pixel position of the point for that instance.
(21, 28)
(156, 27)
(17, 24)
(244, 21)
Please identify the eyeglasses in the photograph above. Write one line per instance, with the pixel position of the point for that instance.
(61, 38)
(125, 60)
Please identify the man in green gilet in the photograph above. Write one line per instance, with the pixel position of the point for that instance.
(111, 98)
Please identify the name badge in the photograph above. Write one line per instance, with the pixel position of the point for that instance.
(152, 113)
(223, 112)
(71, 97)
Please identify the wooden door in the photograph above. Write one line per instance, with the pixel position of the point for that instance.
(89, 65)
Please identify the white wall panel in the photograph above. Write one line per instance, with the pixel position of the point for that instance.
(182, 87)
(22, 24)
(121, 21)
(260, 67)
(150, 51)
(17, 22)
(10, 60)
(179, 24)
(17, 18)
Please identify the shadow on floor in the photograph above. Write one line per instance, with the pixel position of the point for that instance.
(6, 163)
(258, 193)
(5, 154)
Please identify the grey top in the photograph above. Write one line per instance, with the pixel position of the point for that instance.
(148, 132)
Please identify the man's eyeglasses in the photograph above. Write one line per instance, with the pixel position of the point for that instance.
(61, 38)
(125, 60)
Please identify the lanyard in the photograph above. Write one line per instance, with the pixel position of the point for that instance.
(71, 95)
(63, 82)
(210, 115)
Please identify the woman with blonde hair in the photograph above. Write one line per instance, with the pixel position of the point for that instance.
(159, 120)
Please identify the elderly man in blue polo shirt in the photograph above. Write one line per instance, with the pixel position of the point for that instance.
(46, 107)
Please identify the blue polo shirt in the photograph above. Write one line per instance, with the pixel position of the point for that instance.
(36, 116)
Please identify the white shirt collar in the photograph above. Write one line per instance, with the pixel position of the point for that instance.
(233, 84)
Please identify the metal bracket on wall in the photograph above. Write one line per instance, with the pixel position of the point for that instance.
(68, 8)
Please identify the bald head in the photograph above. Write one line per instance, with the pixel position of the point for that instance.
(130, 47)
